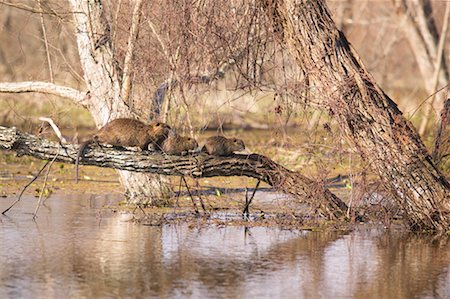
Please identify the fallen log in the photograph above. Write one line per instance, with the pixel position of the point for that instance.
(197, 166)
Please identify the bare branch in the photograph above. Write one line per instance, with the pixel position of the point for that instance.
(44, 35)
(437, 69)
(442, 141)
(207, 78)
(25, 7)
(160, 41)
(197, 166)
(126, 80)
(45, 87)
(422, 33)
(54, 127)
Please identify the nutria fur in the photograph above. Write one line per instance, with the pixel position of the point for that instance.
(178, 145)
(127, 132)
(131, 132)
(221, 146)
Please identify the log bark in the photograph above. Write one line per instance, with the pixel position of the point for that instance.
(370, 120)
(198, 166)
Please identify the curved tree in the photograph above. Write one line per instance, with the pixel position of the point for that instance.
(370, 120)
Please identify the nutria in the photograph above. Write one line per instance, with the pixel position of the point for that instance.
(127, 132)
(221, 146)
(178, 145)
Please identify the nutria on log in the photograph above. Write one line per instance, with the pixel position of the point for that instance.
(127, 132)
(178, 145)
(221, 146)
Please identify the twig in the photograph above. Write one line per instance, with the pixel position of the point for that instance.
(437, 155)
(138, 205)
(44, 34)
(197, 185)
(424, 101)
(201, 201)
(186, 109)
(158, 37)
(246, 212)
(54, 127)
(134, 30)
(179, 192)
(32, 10)
(24, 188)
(190, 194)
(437, 68)
(43, 187)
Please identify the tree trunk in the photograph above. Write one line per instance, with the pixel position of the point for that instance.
(368, 117)
(104, 84)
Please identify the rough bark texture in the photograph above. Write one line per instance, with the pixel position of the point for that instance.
(369, 118)
(197, 166)
(102, 77)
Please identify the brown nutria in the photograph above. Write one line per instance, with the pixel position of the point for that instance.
(221, 146)
(127, 132)
(178, 145)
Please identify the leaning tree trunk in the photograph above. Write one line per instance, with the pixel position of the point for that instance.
(103, 81)
(368, 117)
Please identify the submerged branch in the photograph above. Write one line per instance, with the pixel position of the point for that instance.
(197, 166)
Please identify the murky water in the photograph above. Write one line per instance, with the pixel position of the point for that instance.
(77, 249)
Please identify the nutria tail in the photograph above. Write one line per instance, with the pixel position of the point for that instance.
(80, 155)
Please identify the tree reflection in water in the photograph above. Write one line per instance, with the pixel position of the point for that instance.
(77, 249)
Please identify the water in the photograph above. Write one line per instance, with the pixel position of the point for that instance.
(79, 249)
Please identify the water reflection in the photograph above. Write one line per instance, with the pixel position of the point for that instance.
(78, 249)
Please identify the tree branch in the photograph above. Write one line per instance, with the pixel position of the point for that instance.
(197, 166)
(44, 87)
(170, 83)
(25, 7)
(437, 69)
(126, 81)
(44, 35)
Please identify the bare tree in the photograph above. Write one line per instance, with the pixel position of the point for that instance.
(105, 84)
(368, 117)
(428, 48)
